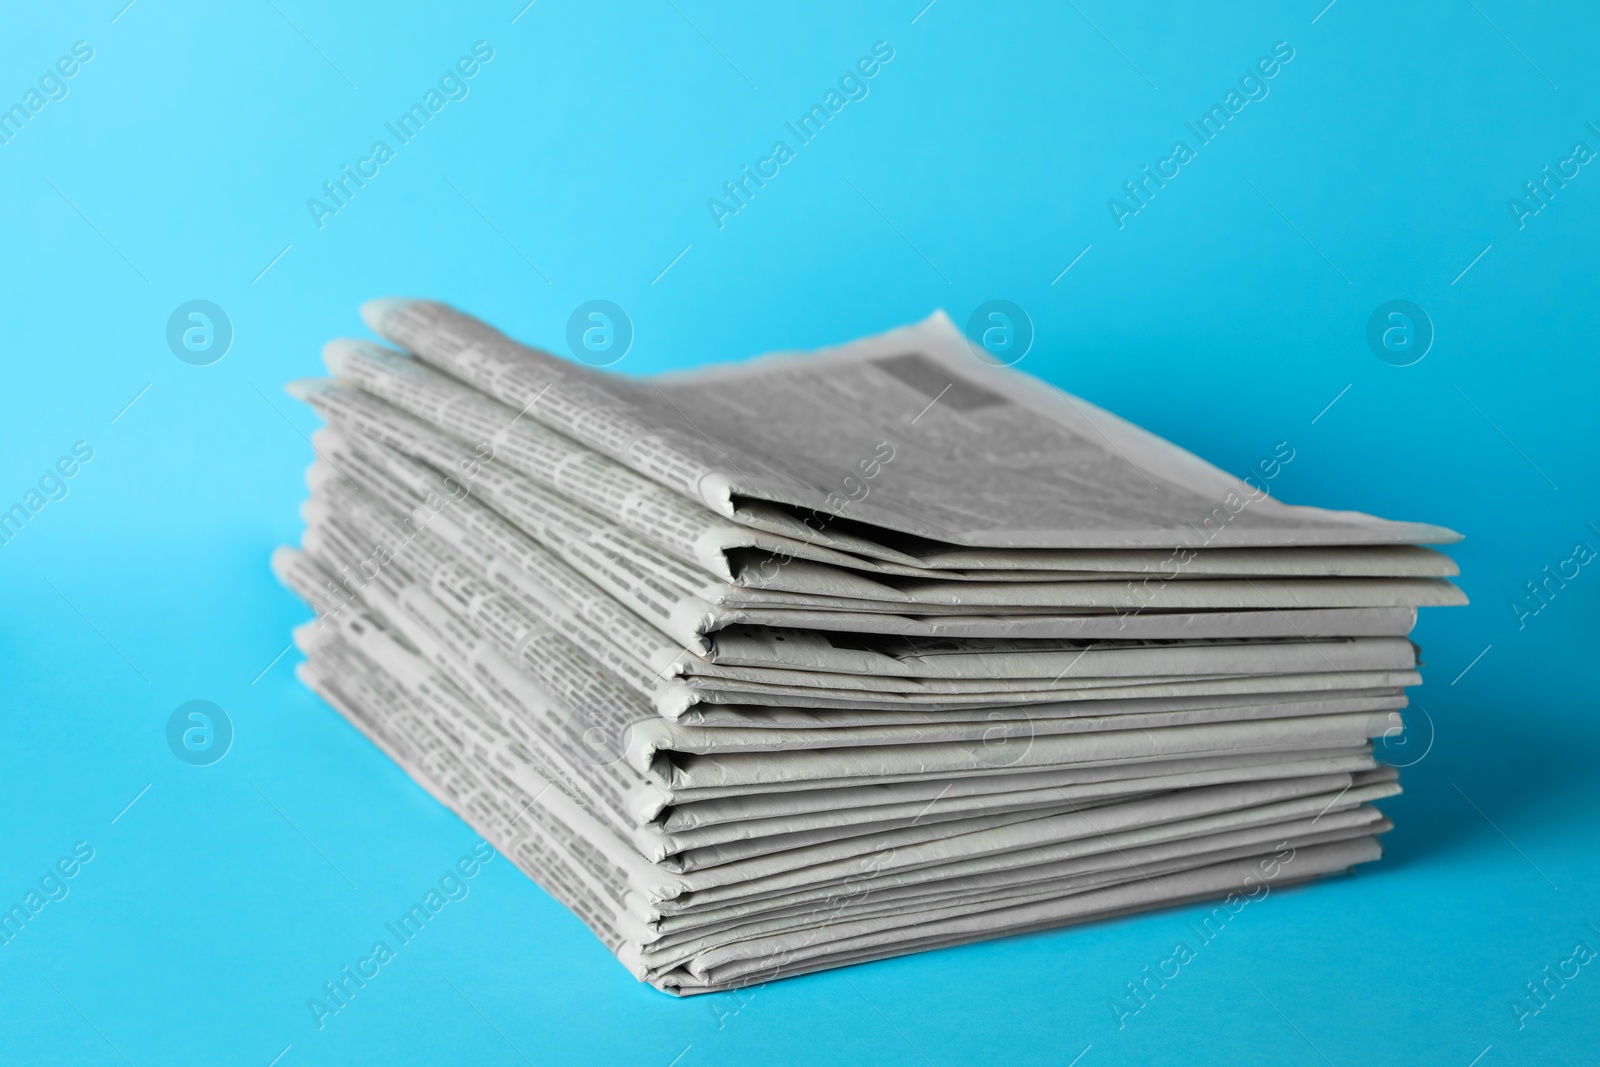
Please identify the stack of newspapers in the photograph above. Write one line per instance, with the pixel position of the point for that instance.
(822, 658)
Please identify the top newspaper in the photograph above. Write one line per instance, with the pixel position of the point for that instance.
(914, 444)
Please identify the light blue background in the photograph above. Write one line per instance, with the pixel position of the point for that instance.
(1223, 316)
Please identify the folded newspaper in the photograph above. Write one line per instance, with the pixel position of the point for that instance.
(822, 658)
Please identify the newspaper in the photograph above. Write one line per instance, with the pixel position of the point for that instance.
(1043, 716)
(544, 854)
(695, 534)
(647, 752)
(543, 581)
(634, 939)
(540, 576)
(1005, 462)
(800, 583)
(819, 659)
(582, 682)
(515, 627)
(684, 954)
(515, 696)
(1004, 839)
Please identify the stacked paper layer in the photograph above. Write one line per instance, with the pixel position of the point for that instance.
(816, 659)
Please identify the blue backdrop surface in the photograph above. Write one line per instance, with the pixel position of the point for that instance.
(1436, 153)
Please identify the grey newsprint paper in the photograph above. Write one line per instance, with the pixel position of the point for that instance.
(822, 658)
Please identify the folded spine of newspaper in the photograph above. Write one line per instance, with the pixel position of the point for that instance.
(824, 658)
